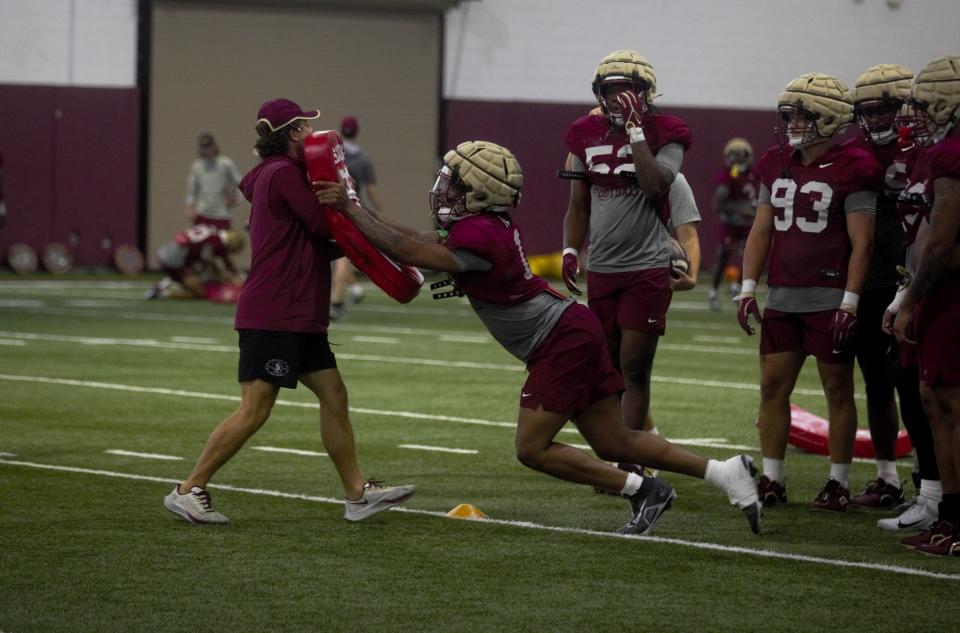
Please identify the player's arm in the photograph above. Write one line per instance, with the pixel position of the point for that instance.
(861, 220)
(720, 196)
(654, 174)
(396, 243)
(758, 243)
(690, 240)
(576, 222)
(193, 189)
(937, 252)
(420, 236)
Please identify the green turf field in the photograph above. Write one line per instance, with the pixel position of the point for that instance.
(87, 366)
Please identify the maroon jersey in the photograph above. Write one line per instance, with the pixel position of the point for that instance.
(201, 241)
(605, 149)
(288, 288)
(940, 161)
(896, 163)
(742, 187)
(496, 239)
(810, 246)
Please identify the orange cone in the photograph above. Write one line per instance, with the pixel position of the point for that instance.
(467, 511)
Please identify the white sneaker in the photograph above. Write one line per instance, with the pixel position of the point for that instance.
(712, 299)
(356, 293)
(737, 480)
(193, 506)
(376, 497)
(919, 516)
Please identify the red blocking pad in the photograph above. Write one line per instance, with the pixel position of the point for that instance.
(811, 433)
(323, 153)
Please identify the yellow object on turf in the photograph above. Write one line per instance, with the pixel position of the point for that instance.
(466, 511)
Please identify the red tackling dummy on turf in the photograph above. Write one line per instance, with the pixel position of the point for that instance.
(323, 153)
(810, 433)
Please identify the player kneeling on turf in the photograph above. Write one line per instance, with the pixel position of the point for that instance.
(570, 373)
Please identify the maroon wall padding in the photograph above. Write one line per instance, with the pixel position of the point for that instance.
(535, 133)
(26, 142)
(70, 170)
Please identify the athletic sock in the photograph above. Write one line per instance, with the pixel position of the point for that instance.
(773, 469)
(932, 491)
(887, 471)
(632, 487)
(840, 472)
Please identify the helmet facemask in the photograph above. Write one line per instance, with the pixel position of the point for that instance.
(877, 119)
(607, 90)
(922, 128)
(797, 128)
(448, 198)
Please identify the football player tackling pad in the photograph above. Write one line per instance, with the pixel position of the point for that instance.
(561, 342)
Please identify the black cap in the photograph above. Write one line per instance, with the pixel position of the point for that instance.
(206, 140)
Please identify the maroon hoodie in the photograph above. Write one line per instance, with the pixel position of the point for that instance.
(288, 289)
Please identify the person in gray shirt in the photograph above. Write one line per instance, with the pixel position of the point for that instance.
(211, 186)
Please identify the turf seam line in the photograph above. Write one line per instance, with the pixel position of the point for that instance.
(717, 547)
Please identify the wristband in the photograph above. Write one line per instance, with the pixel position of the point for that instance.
(851, 299)
(636, 134)
(571, 251)
(894, 306)
(747, 287)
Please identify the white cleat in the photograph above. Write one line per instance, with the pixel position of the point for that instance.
(920, 516)
(738, 481)
(376, 497)
(193, 506)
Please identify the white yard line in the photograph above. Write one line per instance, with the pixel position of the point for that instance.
(117, 451)
(2, 454)
(439, 449)
(385, 340)
(200, 340)
(459, 338)
(291, 451)
(12, 342)
(707, 338)
(715, 547)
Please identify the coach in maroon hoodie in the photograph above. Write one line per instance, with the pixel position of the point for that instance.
(282, 319)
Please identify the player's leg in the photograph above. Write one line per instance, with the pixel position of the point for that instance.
(603, 429)
(876, 366)
(340, 278)
(637, 352)
(837, 381)
(778, 376)
(190, 499)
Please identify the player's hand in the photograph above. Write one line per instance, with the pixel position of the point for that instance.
(632, 107)
(747, 307)
(843, 328)
(903, 325)
(332, 194)
(681, 281)
(571, 268)
(886, 323)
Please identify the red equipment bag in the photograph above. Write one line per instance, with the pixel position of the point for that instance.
(811, 433)
(323, 153)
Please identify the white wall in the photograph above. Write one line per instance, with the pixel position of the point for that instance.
(68, 42)
(714, 53)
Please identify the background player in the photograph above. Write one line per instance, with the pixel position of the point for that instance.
(735, 202)
(631, 154)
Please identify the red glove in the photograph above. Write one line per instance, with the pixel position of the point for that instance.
(632, 107)
(843, 328)
(571, 267)
(748, 305)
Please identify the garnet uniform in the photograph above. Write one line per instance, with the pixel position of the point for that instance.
(628, 262)
(560, 340)
(937, 316)
(810, 248)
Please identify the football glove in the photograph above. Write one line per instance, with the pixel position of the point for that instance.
(748, 306)
(571, 267)
(843, 328)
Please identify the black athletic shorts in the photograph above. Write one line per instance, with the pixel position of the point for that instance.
(280, 357)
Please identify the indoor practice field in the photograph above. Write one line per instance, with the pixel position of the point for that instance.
(107, 399)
